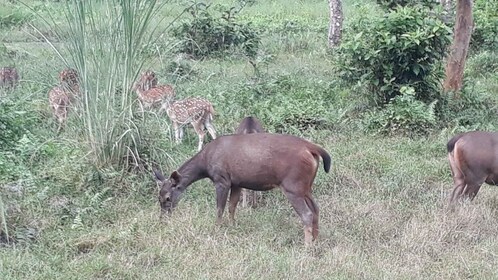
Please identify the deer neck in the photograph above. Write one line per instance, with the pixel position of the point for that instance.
(191, 171)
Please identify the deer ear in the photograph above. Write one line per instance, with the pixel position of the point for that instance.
(175, 176)
(159, 176)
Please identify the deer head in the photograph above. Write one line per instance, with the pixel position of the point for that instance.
(170, 191)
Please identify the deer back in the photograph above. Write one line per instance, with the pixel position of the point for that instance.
(189, 110)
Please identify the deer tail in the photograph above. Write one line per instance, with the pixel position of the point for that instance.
(451, 144)
(327, 161)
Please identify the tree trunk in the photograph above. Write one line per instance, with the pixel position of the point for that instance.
(458, 52)
(335, 25)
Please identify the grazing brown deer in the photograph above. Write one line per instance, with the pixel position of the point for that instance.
(250, 125)
(473, 158)
(196, 111)
(259, 161)
(9, 78)
(149, 93)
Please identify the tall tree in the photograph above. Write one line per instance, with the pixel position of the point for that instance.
(461, 39)
(335, 25)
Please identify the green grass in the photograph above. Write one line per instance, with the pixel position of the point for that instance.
(382, 207)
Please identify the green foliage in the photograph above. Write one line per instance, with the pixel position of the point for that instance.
(483, 63)
(404, 114)
(485, 34)
(13, 15)
(471, 110)
(393, 4)
(213, 33)
(108, 68)
(403, 48)
(12, 123)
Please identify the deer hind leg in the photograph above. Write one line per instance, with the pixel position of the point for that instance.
(210, 127)
(301, 204)
(314, 207)
(234, 200)
(199, 129)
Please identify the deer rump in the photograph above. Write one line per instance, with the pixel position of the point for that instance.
(473, 159)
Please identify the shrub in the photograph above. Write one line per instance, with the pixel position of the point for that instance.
(485, 25)
(393, 4)
(210, 34)
(471, 110)
(403, 48)
(403, 115)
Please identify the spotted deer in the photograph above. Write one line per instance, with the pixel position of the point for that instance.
(60, 97)
(69, 80)
(9, 78)
(149, 93)
(196, 111)
(247, 126)
(59, 100)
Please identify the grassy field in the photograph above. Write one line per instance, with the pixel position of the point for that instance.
(383, 207)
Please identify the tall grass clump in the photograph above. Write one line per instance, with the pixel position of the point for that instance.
(105, 42)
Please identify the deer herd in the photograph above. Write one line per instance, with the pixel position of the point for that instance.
(253, 160)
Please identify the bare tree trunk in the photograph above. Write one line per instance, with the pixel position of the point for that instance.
(461, 40)
(335, 25)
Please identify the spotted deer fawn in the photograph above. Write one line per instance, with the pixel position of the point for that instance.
(60, 97)
(196, 111)
(149, 93)
(9, 77)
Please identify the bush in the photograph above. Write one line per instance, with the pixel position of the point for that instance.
(393, 4)
(485, 25)
(471, 110)
(403, 48)
(403, 115)
(207, 34)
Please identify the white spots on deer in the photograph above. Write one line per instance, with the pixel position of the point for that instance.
(149, 93)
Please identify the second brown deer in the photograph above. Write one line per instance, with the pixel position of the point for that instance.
(473, 158)
(250, 125)
(196, 111)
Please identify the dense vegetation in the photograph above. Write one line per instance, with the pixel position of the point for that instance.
(83, 203)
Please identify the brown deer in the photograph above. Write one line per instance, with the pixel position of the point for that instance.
(9, 78)
(250, 125)
(473, 158)
(259, 161)
(196, 111)
(149, 93)
(61, 96)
